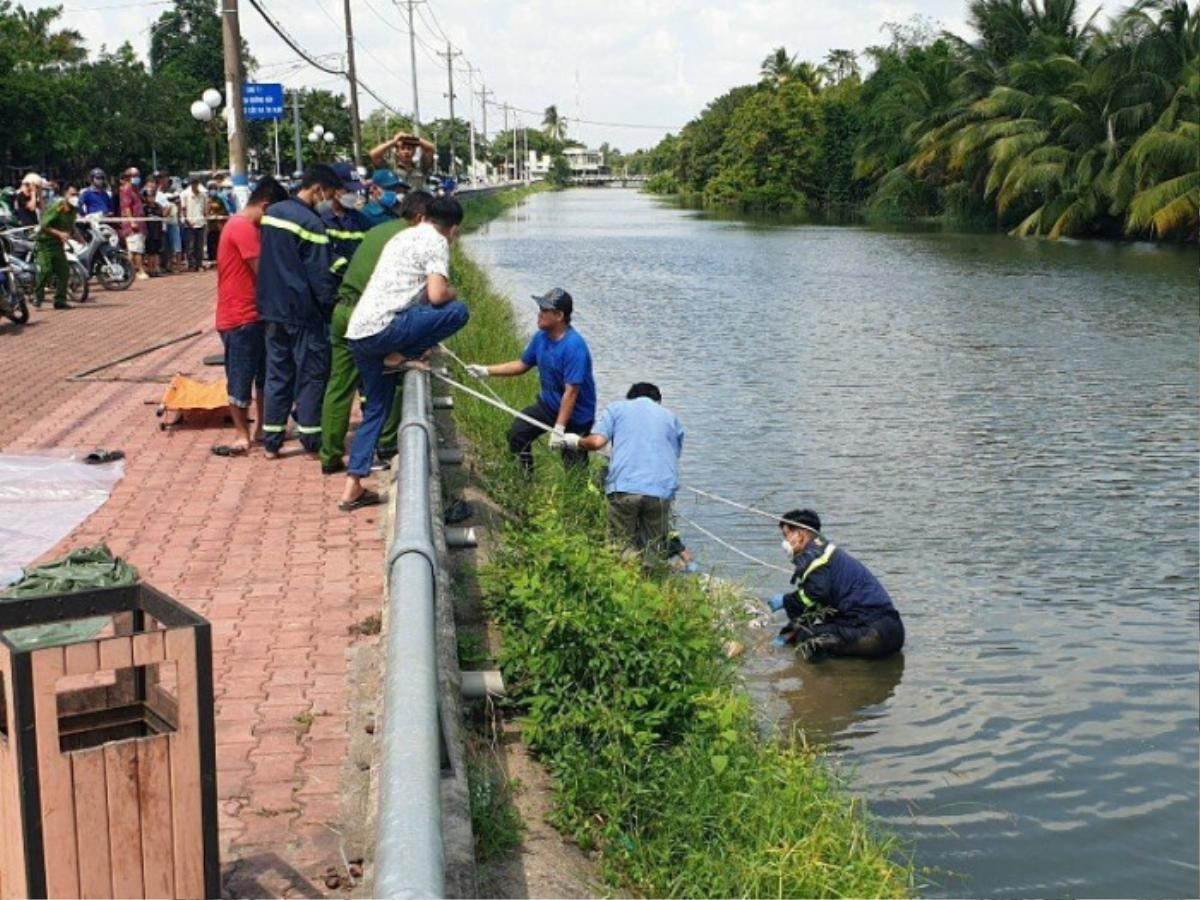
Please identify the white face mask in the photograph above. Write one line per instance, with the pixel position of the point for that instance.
(349, 201)
(787, 548)
(74, 201)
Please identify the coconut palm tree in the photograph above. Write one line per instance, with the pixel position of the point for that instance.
(812, 77)
(44, 46)
(841, 64)
(778, 67)
(553, 125)
(1164, 166)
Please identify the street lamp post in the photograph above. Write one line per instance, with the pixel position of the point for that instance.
(319, 135)
(204, 111)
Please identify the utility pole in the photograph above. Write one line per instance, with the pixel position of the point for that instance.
(484, 93)
(516, 159)
(471, 98)
(352, 74)
(483, 105)
(525, 135)
(296, 128)
(235, 128)
(412, 55)
(506, 144)
(450, 54)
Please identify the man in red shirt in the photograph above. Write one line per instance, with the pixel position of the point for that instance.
(133, 229)
(242, 332)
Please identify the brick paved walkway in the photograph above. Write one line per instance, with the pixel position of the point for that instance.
(257, 547)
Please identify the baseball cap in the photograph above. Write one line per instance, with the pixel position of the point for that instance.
(349, 176)
(555, 298)
(385, 179)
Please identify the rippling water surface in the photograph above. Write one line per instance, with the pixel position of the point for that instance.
(1005, 431)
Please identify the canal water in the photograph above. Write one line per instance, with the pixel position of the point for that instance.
(1005, 431)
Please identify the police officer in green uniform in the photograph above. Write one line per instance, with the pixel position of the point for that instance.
(57, 225)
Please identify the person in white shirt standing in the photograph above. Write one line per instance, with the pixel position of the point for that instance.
(195, 207)
(407, 308)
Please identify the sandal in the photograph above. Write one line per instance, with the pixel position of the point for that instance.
(228, 450)
(366, 498)
(100, 455)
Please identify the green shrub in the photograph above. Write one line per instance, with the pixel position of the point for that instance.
(662, 183)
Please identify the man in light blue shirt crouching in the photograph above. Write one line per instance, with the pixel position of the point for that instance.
(647, 439)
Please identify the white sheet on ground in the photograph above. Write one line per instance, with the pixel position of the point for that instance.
(42, 498)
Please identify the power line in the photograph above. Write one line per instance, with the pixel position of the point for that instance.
(381, 18)
(291, 42)
(534, 112)
(313, 60)
(437, 29)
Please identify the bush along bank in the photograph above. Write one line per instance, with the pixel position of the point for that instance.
(629, 701)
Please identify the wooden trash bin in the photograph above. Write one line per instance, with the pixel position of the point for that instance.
(108, 783)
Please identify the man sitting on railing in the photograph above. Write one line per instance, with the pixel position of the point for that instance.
(406, 309)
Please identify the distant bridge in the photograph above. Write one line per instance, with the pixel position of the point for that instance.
(597, 180)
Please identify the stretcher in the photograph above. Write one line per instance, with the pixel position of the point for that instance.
(187, 395)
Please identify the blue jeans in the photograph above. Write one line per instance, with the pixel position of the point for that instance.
(297, 369)
(412, 332)
(245, 361)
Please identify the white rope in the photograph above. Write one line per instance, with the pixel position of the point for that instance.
(758, 512)
(483, 382)
(729, 546)
(500, 404)
(496, 401)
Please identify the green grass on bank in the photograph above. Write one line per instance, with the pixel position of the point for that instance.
(628, 700)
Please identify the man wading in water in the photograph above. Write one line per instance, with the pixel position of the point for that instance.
(838, 608)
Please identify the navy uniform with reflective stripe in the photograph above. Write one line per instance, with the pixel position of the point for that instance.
(857, 616)
(345, 231)
(295, 295)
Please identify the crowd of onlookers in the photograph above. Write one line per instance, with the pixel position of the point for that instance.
(172, 223)
(167, 223)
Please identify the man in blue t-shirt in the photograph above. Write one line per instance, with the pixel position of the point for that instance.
(643, 476)
(567, 400)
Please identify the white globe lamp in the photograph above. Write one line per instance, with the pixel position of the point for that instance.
(318, 130)
(201, 111)
(329, 137)
(212, 97)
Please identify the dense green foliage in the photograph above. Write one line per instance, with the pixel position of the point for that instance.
(627, 696)
(1043, 123)
(65, 111)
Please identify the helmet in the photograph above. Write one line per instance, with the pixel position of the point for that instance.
(33, 178)
(97, 174)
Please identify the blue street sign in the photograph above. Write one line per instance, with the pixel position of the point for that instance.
(262, 101)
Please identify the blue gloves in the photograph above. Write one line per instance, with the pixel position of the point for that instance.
(775, 602)
(692, 567)
(780, 640)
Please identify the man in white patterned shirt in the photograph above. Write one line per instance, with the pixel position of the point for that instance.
(407, 308)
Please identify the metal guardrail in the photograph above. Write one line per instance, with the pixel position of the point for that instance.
(409, 854)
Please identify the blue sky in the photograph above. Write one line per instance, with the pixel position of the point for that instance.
(652, 62)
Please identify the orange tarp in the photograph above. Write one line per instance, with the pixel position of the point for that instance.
(187, 393)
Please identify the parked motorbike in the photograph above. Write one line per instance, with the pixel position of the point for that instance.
(101, 255)
(12, 297)
(23, 259)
